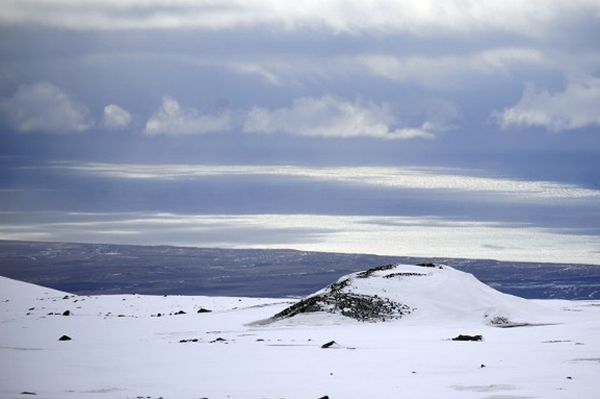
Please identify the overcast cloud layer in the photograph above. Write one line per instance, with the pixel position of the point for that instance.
(385, 95)
(533, 18)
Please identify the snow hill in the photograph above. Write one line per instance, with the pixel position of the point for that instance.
(419, 293)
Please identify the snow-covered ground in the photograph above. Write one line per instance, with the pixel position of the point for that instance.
(120, 348)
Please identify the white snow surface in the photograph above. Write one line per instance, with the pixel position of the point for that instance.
(120, 349)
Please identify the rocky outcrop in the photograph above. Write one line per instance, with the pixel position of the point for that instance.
(339, 298)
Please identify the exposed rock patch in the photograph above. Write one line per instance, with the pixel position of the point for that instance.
(464, 337)
(356, 306)
(369, 272)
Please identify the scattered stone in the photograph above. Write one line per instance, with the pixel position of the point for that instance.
(202, 310)
(218, 340)
(324, 397)
(179, 312)
(65, 297)
(259, 340)
(121, 315)
(464, 337)
(183, 341)
(65, 338)
(28, 393)
(30, 309)
(66, 313)
(327, 344)
(569, 378)
(482, 365)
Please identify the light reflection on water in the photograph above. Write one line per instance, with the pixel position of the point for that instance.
(384, 235)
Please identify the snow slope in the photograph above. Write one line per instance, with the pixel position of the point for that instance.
(121, 349)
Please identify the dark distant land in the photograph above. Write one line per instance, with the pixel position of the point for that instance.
(90, 269)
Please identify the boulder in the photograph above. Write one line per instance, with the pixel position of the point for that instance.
(464, 337)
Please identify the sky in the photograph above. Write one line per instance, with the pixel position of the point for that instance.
(404, 127)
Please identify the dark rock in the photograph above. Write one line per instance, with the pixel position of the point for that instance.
(372, 270)
(65, 297)
(324, 397)
(30, 309)
(569, 378)
(28, 393)
(65, 338)
(179, 312)
(482, 365)
(202, 310)
(328, 344)
(500, 321)
(356, 306)
(218, 340)
(66, 313)
(404, 274)
(463, 337)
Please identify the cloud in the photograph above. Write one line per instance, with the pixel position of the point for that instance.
(440, 71)
(420, 17)
(172, 119)
(44, 108)
(116, 117)
(577, 106)
(331, 117)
